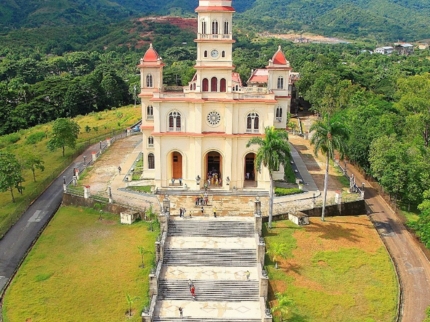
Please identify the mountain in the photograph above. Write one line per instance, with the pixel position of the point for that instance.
(381, 20)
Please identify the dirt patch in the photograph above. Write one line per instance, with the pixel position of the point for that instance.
(305, 38)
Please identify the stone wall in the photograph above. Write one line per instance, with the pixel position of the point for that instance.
(78, 201)
(353, 208)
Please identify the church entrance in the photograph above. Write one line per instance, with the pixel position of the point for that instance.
(249, 170)
(213, 169)
(176, 165)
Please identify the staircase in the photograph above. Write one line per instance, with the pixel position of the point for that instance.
(215, 254)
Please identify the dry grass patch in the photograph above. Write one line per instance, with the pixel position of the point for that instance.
(81, 269)
(338, 270)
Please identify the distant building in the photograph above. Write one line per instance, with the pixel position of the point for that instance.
(404, 48)
(384, 50)
(423, 46)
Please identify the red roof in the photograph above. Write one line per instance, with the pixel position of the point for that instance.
(259, 76)
(236, 78)
(151, 55)
(279, 57)
(214, 8)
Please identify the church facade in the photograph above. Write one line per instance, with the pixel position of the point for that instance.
(197, 137)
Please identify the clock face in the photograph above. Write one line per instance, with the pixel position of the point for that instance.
(214, 53)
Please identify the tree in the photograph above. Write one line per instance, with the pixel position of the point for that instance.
(329, 136)
(130, 301)
(34, 162)
(273, 151)
(64, 133)
(141, 252)
(284, 302)
(10, 174)
(277, 250)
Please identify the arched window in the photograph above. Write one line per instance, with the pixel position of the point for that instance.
(191, 87)
(205, 54)
(280, 82)
(279, 114)
(149, 80)
(149, 112)
(151, 141)
(175, 121)
(194, 86)
(252, 123)
(203, 27)
(223, 53)
(215, 27)
(225, 27)
(205, 85)
(214, 84)
(151, 161)
(222, 85)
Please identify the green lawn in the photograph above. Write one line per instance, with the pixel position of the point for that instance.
(336, 270)
(81, 269)
(100, 125)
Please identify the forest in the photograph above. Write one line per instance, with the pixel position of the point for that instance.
(376, 20)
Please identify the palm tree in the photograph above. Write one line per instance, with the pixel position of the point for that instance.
(328, 136)
(273, 152)
(283, 306)
(130, 301)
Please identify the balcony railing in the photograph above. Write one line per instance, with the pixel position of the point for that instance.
(215, 36)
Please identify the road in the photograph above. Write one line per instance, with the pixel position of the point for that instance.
(412, 265)
(15, 244)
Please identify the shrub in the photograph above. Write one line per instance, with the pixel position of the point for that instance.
(287, 191)
(35, 138)
(87, 129)
(12, 138)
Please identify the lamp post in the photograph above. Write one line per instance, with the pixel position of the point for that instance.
(134, 88)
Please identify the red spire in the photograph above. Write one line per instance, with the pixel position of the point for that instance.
(151, 55)
(279, 57)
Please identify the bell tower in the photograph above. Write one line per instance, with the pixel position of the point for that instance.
(214, 62)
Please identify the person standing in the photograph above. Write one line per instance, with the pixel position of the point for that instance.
(202, 210)
(247, 274)
(119, 169)
(193, 292)
(180, 312)
(214, 210)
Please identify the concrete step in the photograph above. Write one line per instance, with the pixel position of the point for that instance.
(203, 319)
(168, 310)
(211, 228)
(210, 290)
(210, 257)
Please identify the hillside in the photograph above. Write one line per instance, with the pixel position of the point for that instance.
(381, 20)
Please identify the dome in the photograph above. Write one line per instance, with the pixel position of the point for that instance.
(151, 55)
(279, 57)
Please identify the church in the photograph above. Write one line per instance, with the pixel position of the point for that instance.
(197, 137)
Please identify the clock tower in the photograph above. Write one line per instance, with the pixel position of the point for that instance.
(214, 64)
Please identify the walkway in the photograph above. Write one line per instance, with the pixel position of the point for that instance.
(214, 255)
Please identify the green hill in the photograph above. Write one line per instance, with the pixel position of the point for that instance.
(382, 20)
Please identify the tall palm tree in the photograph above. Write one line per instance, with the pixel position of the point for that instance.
(329, 136)
(273, 151)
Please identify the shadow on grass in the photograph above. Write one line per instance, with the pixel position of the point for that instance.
(333, 231)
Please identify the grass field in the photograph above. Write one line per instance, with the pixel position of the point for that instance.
(81, 269)
(336, 270)
(100, 125)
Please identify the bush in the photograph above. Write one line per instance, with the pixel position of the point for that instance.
(287, 191)
(35, 138)
(12, 138)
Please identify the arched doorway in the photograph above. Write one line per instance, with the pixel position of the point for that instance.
(213, 174)
(176, 165)
(249, 170)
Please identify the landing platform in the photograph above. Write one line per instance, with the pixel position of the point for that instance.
(227, 311)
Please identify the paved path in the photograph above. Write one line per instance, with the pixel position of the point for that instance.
(412, 265)
(15, 244)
